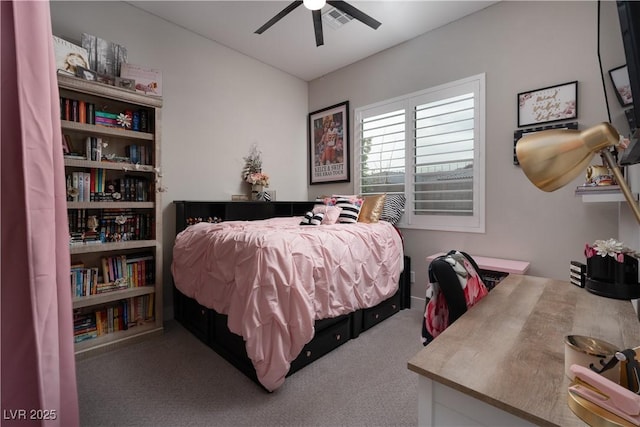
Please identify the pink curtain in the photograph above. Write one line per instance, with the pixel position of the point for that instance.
(38, 365)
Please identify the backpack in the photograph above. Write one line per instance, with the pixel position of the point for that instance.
(454, 286)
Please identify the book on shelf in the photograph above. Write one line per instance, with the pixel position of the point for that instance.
(75, 156)
(577, 273)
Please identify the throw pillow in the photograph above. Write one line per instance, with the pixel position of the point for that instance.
(331, 213)
(326, 200)
(371, 208)
(312, 219)
(350, 209)
(393, 208)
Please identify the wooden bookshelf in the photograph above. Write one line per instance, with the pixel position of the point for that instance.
(114, 237)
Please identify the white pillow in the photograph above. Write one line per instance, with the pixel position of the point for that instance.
(331, 213)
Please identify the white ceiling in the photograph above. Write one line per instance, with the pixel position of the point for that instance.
(289, 44)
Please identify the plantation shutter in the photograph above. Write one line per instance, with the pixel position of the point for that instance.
(428, 146)
(382, 153)
(444, 157)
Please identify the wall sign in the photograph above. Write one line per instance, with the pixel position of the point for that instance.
(549, 104)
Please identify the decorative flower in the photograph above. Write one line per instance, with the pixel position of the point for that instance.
(610, 247)
(252, 170)
(258, 178)
(124, 120)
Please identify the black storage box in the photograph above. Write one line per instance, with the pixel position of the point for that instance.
(609, 278)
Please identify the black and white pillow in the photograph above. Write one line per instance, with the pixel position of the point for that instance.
(311, 218)
(393, 208)
(350, 210)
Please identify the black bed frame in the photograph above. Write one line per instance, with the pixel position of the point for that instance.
(211, 327)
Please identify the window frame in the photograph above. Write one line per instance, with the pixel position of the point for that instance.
(470, 224)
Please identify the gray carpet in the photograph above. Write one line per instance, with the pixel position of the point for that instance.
(175, 380)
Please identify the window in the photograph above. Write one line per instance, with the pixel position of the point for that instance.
(428, 145)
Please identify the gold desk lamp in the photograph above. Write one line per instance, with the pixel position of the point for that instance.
(553, 158)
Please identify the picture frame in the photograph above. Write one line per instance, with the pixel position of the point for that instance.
(86, 74)
(105, 79)
(147, 80)
(129, 84)
(549, 104)
(522, 132)
(329, 145)
(105, 57)
(620, 79)
(69, 56)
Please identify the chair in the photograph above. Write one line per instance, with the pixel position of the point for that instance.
(456, 284)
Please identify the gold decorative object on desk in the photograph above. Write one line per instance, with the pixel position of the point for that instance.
(599, 401)
(583, 351)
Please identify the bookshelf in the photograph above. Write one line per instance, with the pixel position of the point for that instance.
(111, 138)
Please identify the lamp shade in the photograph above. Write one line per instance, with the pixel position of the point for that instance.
(553, 158)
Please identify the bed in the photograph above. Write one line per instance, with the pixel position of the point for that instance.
(271, 295)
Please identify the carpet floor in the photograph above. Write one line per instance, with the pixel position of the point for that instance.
(175, 380)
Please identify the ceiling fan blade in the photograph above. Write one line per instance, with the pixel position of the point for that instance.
(355, 13)
(279, 16)
(317, 27)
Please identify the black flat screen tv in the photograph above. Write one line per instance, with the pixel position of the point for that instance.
(629, 16)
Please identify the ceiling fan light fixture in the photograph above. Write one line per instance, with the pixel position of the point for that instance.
(314, 4)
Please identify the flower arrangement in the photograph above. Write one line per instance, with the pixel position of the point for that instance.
(610, 247)
(258, 178)
(252, 171)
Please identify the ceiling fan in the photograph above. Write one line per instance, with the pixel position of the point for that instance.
(315, 6)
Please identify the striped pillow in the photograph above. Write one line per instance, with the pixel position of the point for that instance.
(311, 218)
(393, 208)
(350, 209)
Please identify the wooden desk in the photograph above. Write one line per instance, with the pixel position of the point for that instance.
(502, 362)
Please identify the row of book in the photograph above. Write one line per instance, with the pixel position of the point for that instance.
(75, 110)
(126, 224)
(139, 154)
(130, 270)
(577, 273)
(81, 111)
(118, 272)
(118, 316)
(93, 186)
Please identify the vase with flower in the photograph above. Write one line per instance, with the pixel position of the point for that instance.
(612, 270)
(252, 173)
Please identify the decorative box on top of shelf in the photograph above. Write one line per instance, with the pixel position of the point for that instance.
(129, 307)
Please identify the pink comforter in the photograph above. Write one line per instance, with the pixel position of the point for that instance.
(273, 278)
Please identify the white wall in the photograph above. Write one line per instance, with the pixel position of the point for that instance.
(217, 103)
(520, 46)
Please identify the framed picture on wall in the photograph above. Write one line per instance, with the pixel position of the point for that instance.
(329, 144)
(620, 78)
(549, 104)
